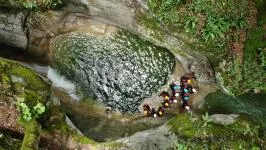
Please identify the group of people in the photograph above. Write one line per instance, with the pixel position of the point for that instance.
(179, 90)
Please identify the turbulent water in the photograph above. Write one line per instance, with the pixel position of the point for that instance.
(60, 82)
(118, 71)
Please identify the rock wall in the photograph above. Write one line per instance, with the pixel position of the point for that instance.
(12, 28)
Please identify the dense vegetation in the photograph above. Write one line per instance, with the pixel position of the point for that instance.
(220, 28)
(208, 20)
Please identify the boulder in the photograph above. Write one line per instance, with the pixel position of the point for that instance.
(224, 119)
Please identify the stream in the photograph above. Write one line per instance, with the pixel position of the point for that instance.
(90, 118)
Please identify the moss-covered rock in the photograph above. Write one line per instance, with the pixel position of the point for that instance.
(18, 82)
(193, 133)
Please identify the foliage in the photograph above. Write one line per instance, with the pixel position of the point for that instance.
(242, 77)
(215, 27)
(29, 113)
(28, 5)
(190, 24)
(220, 15)
(165, 10)
(40, 4)
(206, 119)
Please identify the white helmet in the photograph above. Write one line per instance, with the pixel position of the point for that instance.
(186, 107)
(194, 91)
(175, 101)
(176, 94)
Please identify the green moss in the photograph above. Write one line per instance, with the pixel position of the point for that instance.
(151, 24)
(113, 145)
(148, 21)
(34, 82)
(32, 98)
(57, 121)
(84, 139)
(31, 135)
(182, 125)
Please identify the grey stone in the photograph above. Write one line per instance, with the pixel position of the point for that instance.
(224, 119)
(155, 139)
(12, 28)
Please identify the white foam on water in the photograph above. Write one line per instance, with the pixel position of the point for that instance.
(61, 82)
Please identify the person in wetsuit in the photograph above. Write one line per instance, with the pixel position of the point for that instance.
(160, 111)
(166, 97)
(153, 113)
(146, 110)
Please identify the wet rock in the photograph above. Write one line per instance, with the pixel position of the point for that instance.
(159, 138)
(119, 70)
(12, 29)
(45, 26)
(224, 119)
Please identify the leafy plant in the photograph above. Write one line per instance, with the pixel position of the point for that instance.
(28, 113)
(28, 5)
(215, 27)
(206, 119)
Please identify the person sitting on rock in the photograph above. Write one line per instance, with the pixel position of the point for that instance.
(108, 110)
(174, 98)
(166, 102)
(146, 110)
(160, 111)
(185, 90)
(175, 87)
(190, 88)
(183, 80)
(185, 105)
(164, 94)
